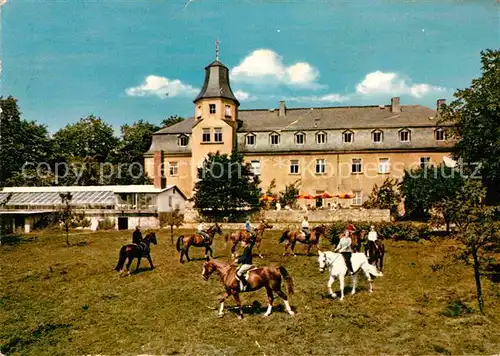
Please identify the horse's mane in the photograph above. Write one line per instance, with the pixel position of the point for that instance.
(224, 269)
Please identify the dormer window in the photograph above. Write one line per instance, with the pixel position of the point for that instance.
(321, 138)
(440, 134)
(227, 111)
(183, 140)
(300, 138)
(348, 136)
(205, 137)
(405, 135)
(377, 136)
(250, 140)
(275, 138)
(212, 108)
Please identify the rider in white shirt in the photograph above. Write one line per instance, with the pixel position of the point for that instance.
(372, 237)
(305, 228)
(202, 232)
(344, 247)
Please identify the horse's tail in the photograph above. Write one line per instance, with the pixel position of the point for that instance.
(288, 279)
(178, 243)
(284, 236)
(371, 269)
(121, 259)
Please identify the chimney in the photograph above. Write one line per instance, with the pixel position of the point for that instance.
(160, 181)
(440, 102)
(395, 104)
(282, 108)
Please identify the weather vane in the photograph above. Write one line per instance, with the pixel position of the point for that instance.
(217, 42)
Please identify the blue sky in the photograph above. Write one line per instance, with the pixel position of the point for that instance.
(118, 59)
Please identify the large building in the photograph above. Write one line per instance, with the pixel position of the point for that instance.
(329, 149)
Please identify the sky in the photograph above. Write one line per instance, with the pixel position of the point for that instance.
(64, 60)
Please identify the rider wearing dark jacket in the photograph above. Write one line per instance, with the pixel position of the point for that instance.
(137, 236)
(245, 262)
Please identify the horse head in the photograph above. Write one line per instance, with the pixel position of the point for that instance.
(151, 237)
(218, 229)
(208, 269)
(322, 260)
(265, 224)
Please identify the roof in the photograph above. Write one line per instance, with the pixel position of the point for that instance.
(343, 117)
(216, 83)
(148, 188)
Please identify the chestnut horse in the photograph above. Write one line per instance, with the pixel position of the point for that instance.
(267, 277)
(138, 251)
(243, 235)
(358, 240)
(184, 242)
(292, 237)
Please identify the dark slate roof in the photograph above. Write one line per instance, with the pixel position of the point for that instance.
(216, 83)
(347, 117)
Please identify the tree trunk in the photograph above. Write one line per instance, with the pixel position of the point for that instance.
(67, 237)
(172, 234)
(477, 276)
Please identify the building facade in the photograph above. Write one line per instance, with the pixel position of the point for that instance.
(337, 150)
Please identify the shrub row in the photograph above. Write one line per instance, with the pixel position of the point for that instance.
(405, 231)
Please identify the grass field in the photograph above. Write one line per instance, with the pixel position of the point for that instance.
(69, 301)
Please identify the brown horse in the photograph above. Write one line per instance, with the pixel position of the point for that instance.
(184, 242)
(376, 252)
(267, 277)
(292, 237)
(243, 235)
(138, 251)
(358, 240)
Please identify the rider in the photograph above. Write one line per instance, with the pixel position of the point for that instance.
(137, 236)
(249, 228)
(201, 231)
(245, 262)
(344, 247)
(372, 237)
(305, 228)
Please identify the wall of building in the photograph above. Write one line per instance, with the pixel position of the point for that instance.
(170, 200)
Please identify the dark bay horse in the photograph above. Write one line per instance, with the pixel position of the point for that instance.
(138, 251)
(376, 252)
(267, 277)
(292, 237)
(243, 235)
(185, 242)
(358, 240)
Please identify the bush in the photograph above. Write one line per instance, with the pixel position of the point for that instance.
(456, 308)
(106, 224)
(399, 231)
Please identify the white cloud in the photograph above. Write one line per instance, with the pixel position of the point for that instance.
(243, 95)
(327, 98)
(392, 83)
(265, 65)
(162, 87)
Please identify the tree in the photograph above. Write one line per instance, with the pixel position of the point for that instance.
(172, 218)
(476, 117)
(387, 196)
(478, 232)
(226, 187)
(3, 203)
(65, 213)
(171, 120)
(289, 196)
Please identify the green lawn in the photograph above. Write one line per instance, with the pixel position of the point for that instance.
(69, 301)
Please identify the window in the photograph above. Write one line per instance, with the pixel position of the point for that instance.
(275, 139)
(227, 113)
(347, 137)
(300, 138)
(170, 202)
(217, 135)
(404, 136)
(198, 115)
(255, 167)
(358, 197)
(440, 134)
(356, 165)
(377, 136)
(320, 138)
(425, 162)
(294, 166)
(173, 169)
(250, 140)
(183, 141)
(320, 166)
(383, 165)
(206, 135)
(212, 108)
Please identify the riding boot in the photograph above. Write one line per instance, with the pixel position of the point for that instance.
(243, 284)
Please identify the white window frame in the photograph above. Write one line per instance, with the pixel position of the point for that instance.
(405, 131)
(344, 136)
(173, 169)
(303, 138)
(253, 138)
(357, 199)
(205, 135)
(320, 166)
(227, 111)
(255, 167)
(294, 166)
(378, 132)
(441, 132)
(323, 135)
(183, 137)
(210, 107)
(274, 134)
(358, 163)
(218, 135)
(425, 162)
(383, 165)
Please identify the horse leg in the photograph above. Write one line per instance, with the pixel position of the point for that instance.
(138, 263)
(354, 279)
(285, 299)
(151, 262)
(238, 303)
(211, 251)
(186, 253)
(128, 265)
(269, 301)
(182, 255)
(381, 261)
(258, 249)
(221, 308)
(233, 249)
(206, 252)
(341, 279)
(292, 248)
(330, 282)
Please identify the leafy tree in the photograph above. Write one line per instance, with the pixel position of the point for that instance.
(171, 218)
(476, 116)
(478, 232)
(387, 196)
(226, 186)
(3, 203)
(289, 196)
(171, 120)
(65, 213)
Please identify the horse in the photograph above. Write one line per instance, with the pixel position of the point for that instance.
(267, 277)
(183, 243)
(243, 235)
(138, 251)
(338, 268)
(376, 252)
(298, 236)
(358, 240)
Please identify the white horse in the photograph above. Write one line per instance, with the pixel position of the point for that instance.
(338, 268)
